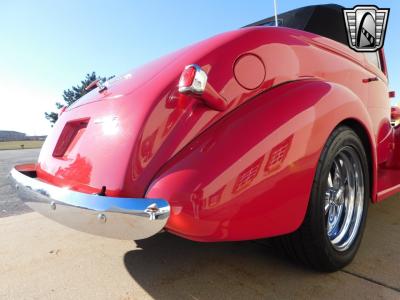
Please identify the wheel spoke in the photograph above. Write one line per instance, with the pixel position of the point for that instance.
(329, 221)
(328, 198)
(349, 202)
(343, 170)
(327, 206)
(336, 174)
(330, 183)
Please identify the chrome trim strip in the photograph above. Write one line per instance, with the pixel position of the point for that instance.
(119, 218)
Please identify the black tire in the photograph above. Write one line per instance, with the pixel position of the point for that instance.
(310, 243)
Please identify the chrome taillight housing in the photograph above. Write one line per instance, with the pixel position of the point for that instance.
(193, 80)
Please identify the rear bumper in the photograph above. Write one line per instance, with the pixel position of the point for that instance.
(119, 218)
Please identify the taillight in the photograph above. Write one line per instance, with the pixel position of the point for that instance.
(193, 80)
(187, 76)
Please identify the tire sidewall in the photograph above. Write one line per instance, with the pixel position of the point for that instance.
(341, 137)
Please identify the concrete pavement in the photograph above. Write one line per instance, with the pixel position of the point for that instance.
(40, 259)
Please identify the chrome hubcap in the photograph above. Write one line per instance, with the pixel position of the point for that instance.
(344, 199)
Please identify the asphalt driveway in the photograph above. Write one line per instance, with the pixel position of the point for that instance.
(9, 204)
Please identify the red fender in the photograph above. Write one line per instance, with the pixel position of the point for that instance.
(230, 185)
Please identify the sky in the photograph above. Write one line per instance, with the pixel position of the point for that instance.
(48, 46)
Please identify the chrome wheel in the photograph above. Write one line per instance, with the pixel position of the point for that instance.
(331, 232)
(344, 199)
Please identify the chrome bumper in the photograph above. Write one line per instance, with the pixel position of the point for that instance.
(119, 218)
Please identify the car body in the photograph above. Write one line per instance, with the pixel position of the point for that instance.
(236, 162)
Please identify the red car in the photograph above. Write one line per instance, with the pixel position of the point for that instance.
(259, 132)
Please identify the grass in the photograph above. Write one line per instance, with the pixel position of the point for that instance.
(13, 145)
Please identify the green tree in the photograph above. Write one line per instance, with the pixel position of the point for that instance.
(73, 94)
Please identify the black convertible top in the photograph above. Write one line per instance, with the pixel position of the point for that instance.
(325, 20)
